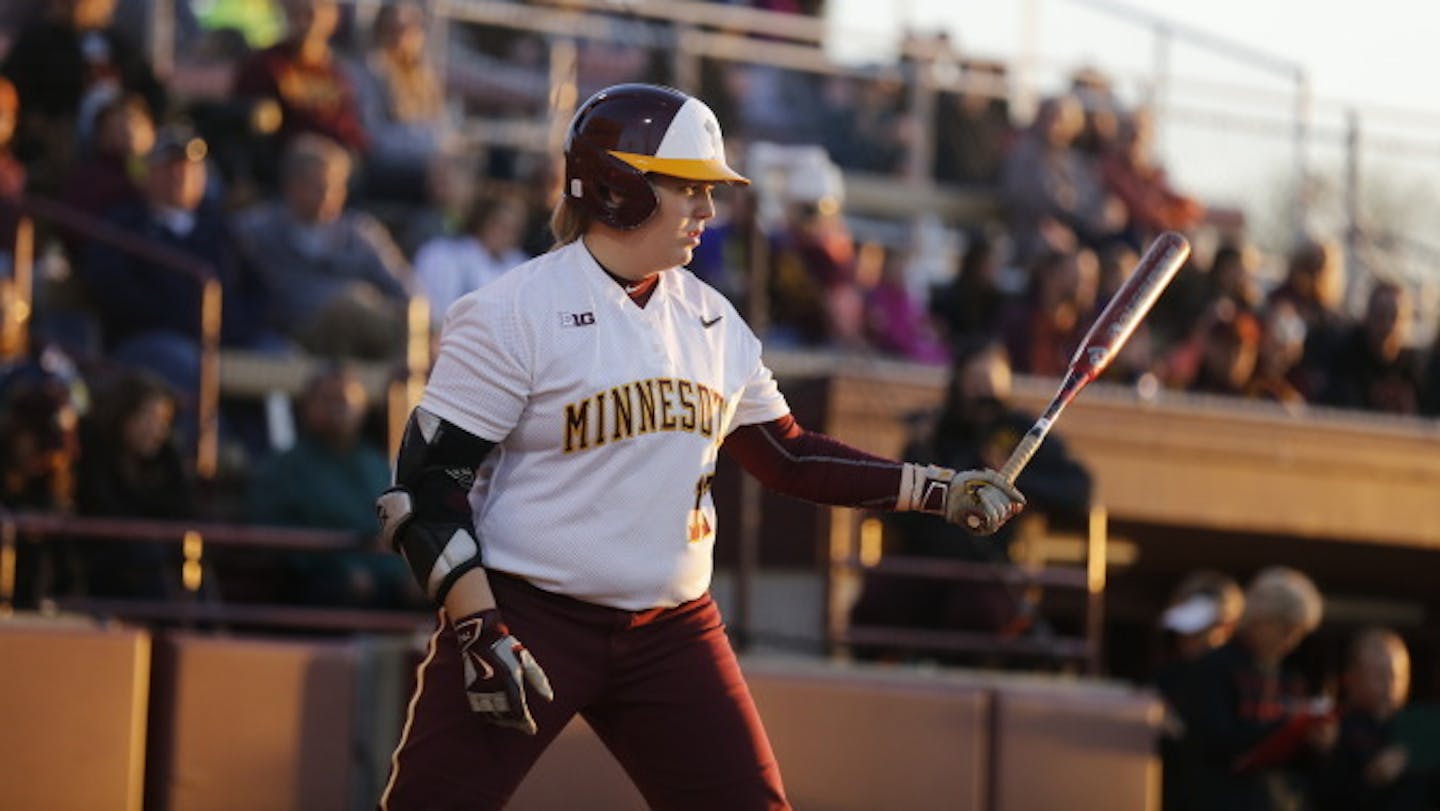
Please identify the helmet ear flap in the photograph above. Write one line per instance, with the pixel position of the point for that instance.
(612, 191)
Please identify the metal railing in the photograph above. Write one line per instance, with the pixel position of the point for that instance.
(195, 538)
(855, 553)
(18, 294)
(207, 397)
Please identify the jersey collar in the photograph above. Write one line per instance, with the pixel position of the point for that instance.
(605, 283)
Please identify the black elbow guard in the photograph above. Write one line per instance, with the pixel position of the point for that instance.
(426, 515)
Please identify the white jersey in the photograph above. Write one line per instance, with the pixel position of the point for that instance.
(608, 418)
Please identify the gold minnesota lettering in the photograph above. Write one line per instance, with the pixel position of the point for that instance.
(641, 407)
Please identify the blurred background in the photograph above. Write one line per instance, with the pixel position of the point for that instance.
(230, 229)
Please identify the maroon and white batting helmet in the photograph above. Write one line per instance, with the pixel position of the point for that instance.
(628, 131)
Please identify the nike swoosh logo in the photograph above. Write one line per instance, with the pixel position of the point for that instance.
(707, 324)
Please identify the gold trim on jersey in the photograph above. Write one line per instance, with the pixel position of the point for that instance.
(643, 407)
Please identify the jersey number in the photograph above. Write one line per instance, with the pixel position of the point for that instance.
(699, 526)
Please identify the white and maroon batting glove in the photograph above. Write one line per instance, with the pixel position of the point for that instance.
(980, 499)
(497, 669)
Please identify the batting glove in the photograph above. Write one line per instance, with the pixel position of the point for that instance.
(497, 669)
(980, 500)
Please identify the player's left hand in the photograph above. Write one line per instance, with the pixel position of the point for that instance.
(497, 670)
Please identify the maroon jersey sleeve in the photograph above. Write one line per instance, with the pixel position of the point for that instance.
(812, 466)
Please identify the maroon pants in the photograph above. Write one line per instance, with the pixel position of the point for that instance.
(661, 688)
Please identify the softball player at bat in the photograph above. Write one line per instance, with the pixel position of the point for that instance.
(552, 492)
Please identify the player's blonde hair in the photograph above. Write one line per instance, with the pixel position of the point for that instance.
(568, 222)
(1285, 595)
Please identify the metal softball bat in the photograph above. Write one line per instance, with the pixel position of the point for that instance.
(1127, 308)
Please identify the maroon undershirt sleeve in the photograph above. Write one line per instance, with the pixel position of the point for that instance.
(791, 460)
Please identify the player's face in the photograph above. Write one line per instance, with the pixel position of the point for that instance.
(668, 239)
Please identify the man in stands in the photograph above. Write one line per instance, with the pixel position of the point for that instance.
(328, 480)
(337, 279)
(150, 312)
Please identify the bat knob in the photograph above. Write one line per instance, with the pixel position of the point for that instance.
(972, 521)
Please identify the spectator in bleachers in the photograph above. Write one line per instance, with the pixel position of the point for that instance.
(814, 298)
(1052, 192)
(149, 312)
(488, 244)
(1096, 94)
(776, 104)
(401, 102)
(866, 124)
(1130, 172)
(63, 63)
(1116, 261)
(112, 162)
(304, 76)
(1240, 701)
(12, 173)
(1232, 276)
(133, 468)
(452, 180)
(1220, 358)
(972, 130)
(976, 425)
(1042, 331)
(894, 322)
(968, 307)
(1191, 295)
(1282, 346)
(39, 445)
(1370, 768)
(336, 279)
(1374, 367)
(38, 439)
(1315, 284)
(1200, 617)
(329, 480)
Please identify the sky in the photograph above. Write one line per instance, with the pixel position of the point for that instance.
(1229, 132)
(1379, 49)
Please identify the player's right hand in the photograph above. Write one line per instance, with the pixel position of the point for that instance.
(497, 670)
(982, 501)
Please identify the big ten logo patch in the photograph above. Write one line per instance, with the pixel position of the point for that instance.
(584, 319)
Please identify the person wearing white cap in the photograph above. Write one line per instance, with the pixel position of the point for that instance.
(1252, 721)
(1201, 616)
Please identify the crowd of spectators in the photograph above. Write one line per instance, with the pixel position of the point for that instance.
(1246, 728)
(322, 187)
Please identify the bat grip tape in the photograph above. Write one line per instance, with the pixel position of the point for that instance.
(1026, 449)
